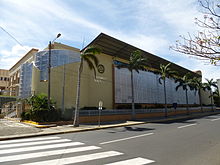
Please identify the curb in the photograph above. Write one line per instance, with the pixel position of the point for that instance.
(78, 129)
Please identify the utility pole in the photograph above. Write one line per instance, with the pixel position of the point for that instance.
(63, 89)
(49, 66)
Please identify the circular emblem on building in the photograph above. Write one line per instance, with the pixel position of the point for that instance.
(101, 68)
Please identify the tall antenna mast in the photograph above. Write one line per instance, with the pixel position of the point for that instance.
(83, 42)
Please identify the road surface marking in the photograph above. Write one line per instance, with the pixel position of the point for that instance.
(215, 119)
(29, 139)
(139, 161)
(189, 125)
(46, 153)
(77, 159)
(25, 149)
(33, 143)
(133, 137)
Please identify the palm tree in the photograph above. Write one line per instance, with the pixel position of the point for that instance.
(165, 72)
(184, 82)
(88, 56)
(198, 86)
(208, 85)
(136, 62)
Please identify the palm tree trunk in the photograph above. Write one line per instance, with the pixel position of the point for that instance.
(200, 101)
(165, 96)
(132, 96)
(76, 116)
(187, 102)
(211, 100)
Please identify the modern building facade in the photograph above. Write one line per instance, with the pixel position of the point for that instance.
(16, 70)
(111, 85)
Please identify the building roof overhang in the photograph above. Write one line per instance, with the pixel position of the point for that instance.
(116, 48)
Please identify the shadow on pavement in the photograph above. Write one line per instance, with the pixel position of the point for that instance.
(131, 128)
(138, 129)
(105, 123)
(188, 119)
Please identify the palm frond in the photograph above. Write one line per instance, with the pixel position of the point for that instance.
(91, 66)
(93, 58)
(136, 62)
(91, 50)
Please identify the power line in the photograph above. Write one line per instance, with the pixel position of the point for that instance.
(13, 37)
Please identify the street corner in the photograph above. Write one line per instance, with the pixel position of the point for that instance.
(38, 125)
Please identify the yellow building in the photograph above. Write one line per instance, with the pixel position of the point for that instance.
(111, 86)
(108, 85)
(4, 81)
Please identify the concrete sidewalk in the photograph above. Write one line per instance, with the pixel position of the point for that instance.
(46, 130)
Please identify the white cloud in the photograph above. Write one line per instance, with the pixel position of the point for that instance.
(208, 71)
(9, 58)
(150, 44)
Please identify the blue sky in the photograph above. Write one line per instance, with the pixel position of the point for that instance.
(152, 25)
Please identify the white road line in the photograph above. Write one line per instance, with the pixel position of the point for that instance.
(139, 161)
(25, 149)
(77, 159)
(27, 140)
(189, 125)
(46, 153)
(215, 119)
(33, 143)
(133, 137)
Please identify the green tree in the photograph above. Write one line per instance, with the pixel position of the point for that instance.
(88, 56)
(216, 97)
(185, 83)
(165, 72)
(136, 63)
(197, 85)
(208, 85)
(39, 110)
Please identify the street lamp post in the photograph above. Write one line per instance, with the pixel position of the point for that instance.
(49, 66)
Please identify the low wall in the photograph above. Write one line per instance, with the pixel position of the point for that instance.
(92, 116)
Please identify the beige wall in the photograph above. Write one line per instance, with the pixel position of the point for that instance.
(102, 88)
(57, 77)
(4, 81)
(92, 91)
(205, 97)
(57, 84)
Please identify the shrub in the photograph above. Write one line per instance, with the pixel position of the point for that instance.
(2, 116)
(39, 110)
(217, 100)
(25, 115)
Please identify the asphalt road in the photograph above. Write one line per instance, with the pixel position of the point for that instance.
(191, 142)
